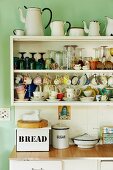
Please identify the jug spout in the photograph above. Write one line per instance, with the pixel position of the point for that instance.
(22, 18)
(85, 27)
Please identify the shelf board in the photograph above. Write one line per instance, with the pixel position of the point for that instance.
(63, 71)
(62, 38)
(76, 103)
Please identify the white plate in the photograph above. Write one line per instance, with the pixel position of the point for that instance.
(55, 100)
(20, 100)
(67, 99)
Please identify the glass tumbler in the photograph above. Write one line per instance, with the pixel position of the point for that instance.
(59, 59)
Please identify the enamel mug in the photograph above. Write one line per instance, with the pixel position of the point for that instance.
(18, 32)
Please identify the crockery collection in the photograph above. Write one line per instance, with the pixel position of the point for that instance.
(64, 87)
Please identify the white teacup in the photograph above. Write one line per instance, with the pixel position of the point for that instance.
(88, 93)
(70, 93)
(18, 32)
(37, 94)
(21, 96)
(53, 94)
(98, 97)
(77, 67)
(52, 97)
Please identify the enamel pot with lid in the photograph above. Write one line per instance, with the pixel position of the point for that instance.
(60, 138)
(76, 31)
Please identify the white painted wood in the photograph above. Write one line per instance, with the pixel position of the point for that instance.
(62, 38)
(106, 165)
(61, 103)
(64, 71)
(35, 165)
(80, 165)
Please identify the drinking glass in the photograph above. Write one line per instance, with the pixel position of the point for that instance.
(68, 57)
(59, 59)
(103, 53)
(74, 55)
(80, 56)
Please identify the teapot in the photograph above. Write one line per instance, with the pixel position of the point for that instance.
(94, 28)
(33, 20)
(57, 28)
(109, 27)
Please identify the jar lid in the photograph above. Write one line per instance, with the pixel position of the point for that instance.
(86, 137)
(60, 126)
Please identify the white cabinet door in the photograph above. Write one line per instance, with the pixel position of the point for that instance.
(35, 165)
(80, 165)
(106, 165)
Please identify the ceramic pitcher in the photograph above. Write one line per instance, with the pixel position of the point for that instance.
(57, 28)
(33, 20)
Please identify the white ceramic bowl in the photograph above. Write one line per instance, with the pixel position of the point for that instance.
(86, 141)
(88, 93)
(86, 99)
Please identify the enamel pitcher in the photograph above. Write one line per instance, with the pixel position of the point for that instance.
(33, 21)
(109, 27)
(94, 28)
(57, 28)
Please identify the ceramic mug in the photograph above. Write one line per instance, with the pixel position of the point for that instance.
(21, 95)
(37, 80)
(27, 80)
(18, 32)
(20, 88)
(60, 96)
(70, 93)
(37, 94)
(53, 95)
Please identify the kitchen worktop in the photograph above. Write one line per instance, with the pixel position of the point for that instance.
(73, 152)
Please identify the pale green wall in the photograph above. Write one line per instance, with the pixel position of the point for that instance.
(72, 10)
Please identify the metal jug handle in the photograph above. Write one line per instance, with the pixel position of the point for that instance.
(14, 32)
(67, 22)
(50, 15)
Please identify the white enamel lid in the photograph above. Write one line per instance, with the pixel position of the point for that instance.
(85, 137)
(60, 126)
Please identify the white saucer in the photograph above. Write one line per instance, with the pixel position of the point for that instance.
(54, 100)
(20, 100)
(37, 99)
(111, 99)
(67, 99)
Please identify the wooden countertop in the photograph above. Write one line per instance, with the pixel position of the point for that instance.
(73, 152)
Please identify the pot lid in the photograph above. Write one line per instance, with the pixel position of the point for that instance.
(86, 137)
(60, 126)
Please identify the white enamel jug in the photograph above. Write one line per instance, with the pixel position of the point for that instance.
(33, 21)
(94, 28)
(109, 27)
(57, 28)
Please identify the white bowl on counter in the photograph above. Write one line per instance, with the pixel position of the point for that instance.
(85, 141)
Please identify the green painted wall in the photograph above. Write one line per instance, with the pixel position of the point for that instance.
(72, 10)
